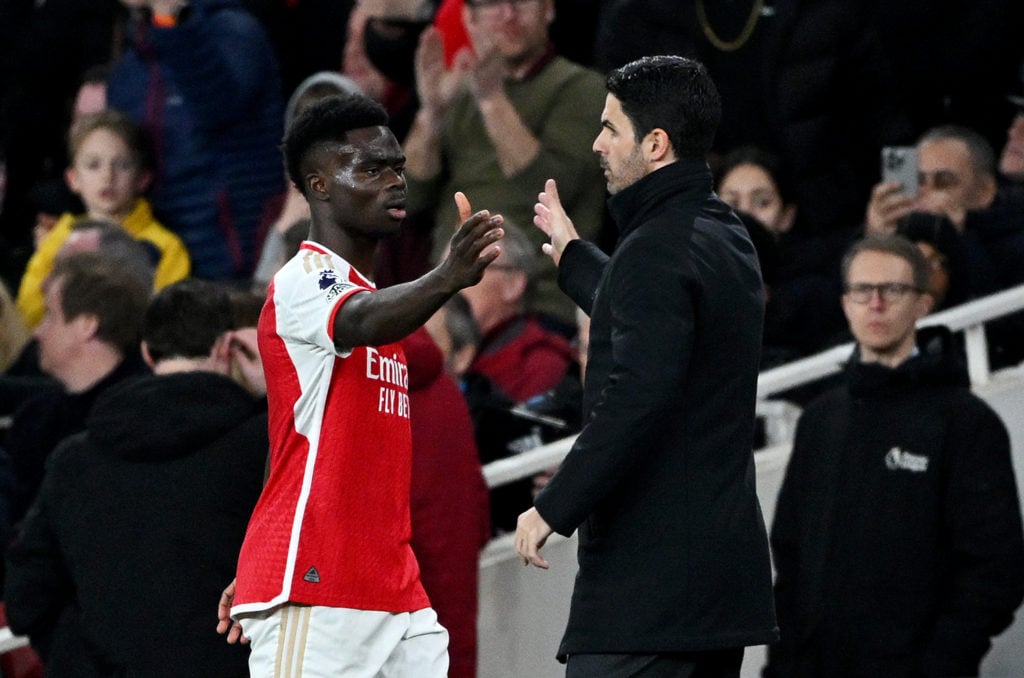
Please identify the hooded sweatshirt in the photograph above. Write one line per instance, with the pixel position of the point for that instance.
(137, 529)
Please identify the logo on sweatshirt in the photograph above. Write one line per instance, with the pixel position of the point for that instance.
(901, 460)
(312, 576)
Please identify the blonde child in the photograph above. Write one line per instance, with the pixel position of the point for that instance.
(109, 173)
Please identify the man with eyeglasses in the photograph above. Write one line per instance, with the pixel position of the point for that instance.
(897, 537)
(507, 115)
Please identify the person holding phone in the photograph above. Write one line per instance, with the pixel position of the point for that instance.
(955, 173)
(956, 178)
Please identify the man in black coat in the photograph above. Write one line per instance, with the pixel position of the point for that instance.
(88, 341)
(674, 572)
(897, 536)
(140, 518)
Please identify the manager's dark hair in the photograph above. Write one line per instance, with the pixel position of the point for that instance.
(328, 120)
(184, 320)
(673, 93)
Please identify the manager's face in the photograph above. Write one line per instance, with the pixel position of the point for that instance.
(621, 155)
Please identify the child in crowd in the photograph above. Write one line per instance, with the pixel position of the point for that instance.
(109, 172)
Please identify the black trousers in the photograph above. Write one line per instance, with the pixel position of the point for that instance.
(708, 664)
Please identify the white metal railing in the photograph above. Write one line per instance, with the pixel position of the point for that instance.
(969, 318)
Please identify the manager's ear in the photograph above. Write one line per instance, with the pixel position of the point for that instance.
(658, 147)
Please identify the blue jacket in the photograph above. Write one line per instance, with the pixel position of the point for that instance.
(208, 92)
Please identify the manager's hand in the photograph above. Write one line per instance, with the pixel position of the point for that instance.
(531, 533)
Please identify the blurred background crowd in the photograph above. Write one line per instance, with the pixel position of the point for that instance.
(146, 132)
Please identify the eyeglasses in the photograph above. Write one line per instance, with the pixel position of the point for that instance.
(494, 7)
(862, 293)
(940, 180)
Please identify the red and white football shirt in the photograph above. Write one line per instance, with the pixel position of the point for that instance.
(332, 525)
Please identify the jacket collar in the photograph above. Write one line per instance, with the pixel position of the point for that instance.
(630, 206)
(937, 363)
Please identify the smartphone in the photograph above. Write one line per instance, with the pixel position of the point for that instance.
(899, 164)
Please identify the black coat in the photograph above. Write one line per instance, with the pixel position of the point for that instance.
(897, 534)
(673, 553)
(136, 530)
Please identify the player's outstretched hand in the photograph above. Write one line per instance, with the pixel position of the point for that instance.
(474, 245)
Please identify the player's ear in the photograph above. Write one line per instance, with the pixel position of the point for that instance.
(316, 186)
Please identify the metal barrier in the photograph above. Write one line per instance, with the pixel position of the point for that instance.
(968, 318)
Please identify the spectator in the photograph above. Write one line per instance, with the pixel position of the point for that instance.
(87, 235)
(305, 34)
(801, 314)
(943, 248)
(202, 79)
(169, 465)
(516, 353)
(751, 180)
(1011, 161)
(515, 360)
(566, 399)
(109, 171)
(897, 537)
(45, 48)
(956, 174)
(826, 121)
(53, 197)
(88, 341)
(504, 118)
(448, 507)
(957, 178)
(456, 334)
(13, 334)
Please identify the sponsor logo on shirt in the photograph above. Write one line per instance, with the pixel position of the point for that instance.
(901, 460)
(393, 371)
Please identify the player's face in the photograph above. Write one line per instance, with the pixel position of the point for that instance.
(621, 156)
(365, 182)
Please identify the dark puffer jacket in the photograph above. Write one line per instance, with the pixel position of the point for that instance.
(208, 92)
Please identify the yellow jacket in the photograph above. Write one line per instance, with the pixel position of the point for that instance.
(174, 264)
